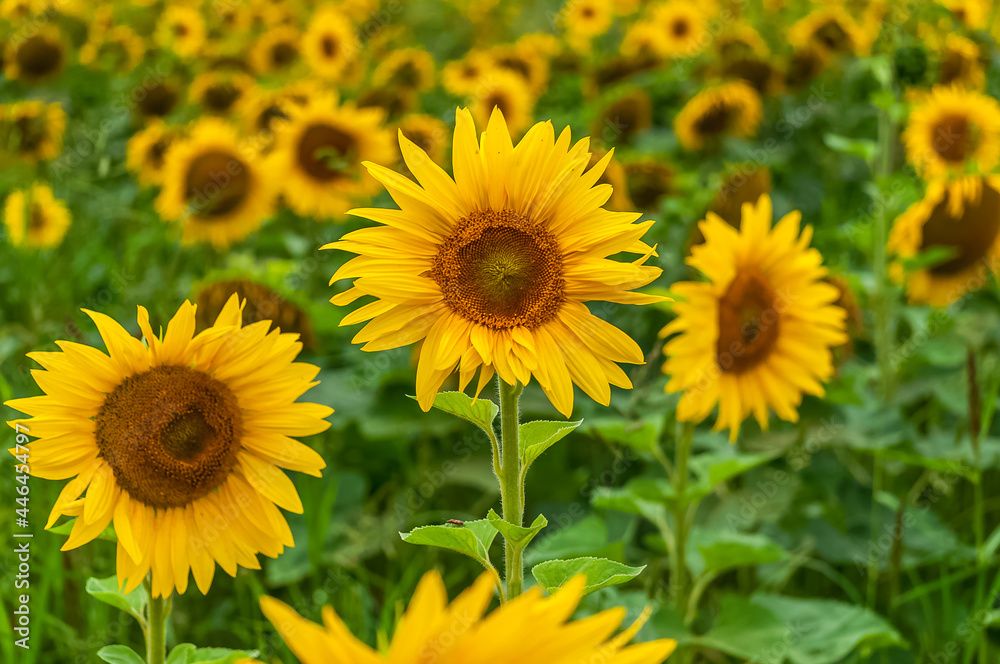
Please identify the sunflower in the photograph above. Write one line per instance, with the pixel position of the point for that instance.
(508, 92)
(973, 14)
(181, 29)
(429, 133)
(644, 41)
(953, 130)
(740, 186)
(146, 151)
(219, 92)
(35, 218)
(758, 334)
(406, 68)
(277, 50)
(217, 192)
(177, 443)
(732, 109)
(35, 58)
(391, 102)
(262, 303)
(744, 55)
(318, 154)
(613, 175)
(32, 130)
(833, 30)
(624, 119)
(525, 61)
(462, 77)
(584, 20)
(648, 182)
(529, 629)
(963, 217)
(960, 63)
(491, 270)
(116, 49)
(683, 27)
(158, 99)
(542, 44)
(329, 44)
(805, 64)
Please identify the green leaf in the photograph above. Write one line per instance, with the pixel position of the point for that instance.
(106, 590)
(729, 550)
(473, 538)
(828, 630)
(586, 537)
(600, 572)
(119, 655)
(648, 497)
(858, 147)
(714, 469)
(480, 412)
(641, 435)
(536, 437)
(745, 630)
(518, 536)
(187, 653)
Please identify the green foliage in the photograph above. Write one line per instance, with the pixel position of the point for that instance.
(600, 573)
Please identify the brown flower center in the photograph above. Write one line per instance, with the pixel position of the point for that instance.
(680, 28)
(283, 54)
(158, 100)
(716, 120)
(38, 57)
(326, 152)
(955, 68)
(500, 270)
(955, 138)
(749, 324)
(216, 184)
(329, 46)
(170, 435)
(832, 36)
(971, 235)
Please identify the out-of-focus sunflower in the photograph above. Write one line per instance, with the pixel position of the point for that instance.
(463, 77)
(507, 91)
(34, 217)
(683, 27)
(526, 62)
(329, 44)
(177, 443)
(584, 20)
(146, 151)
(953, 130)
(530, 629)
(740, 186)
(118, 49)
(181, 29)
(963, 218)
(262, 303)
(262, 114)
(430, 134)
(729, 109)
(644, 40)
(318, 155)
(648, 182)
(758, 333)
(613, 175)
(623, 119)
(277, 50)
(744, 55)
(220, 92)
(542, 43)
(36, 58)
(32, 130)
(218, 193)
(406, 68)
(491, 270)
(393, 102)
(973, 14)
(960, 63)
(832, 29)
(804, 64)
(158, 99)
(18, 10)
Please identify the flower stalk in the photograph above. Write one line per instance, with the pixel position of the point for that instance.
(511, 482)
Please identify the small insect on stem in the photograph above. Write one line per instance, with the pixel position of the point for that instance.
(455, 522)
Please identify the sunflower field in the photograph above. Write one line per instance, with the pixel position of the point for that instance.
(500, 332)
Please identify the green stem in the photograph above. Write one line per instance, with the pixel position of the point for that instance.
(678, 567)
(511, 482)
(156, 636)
